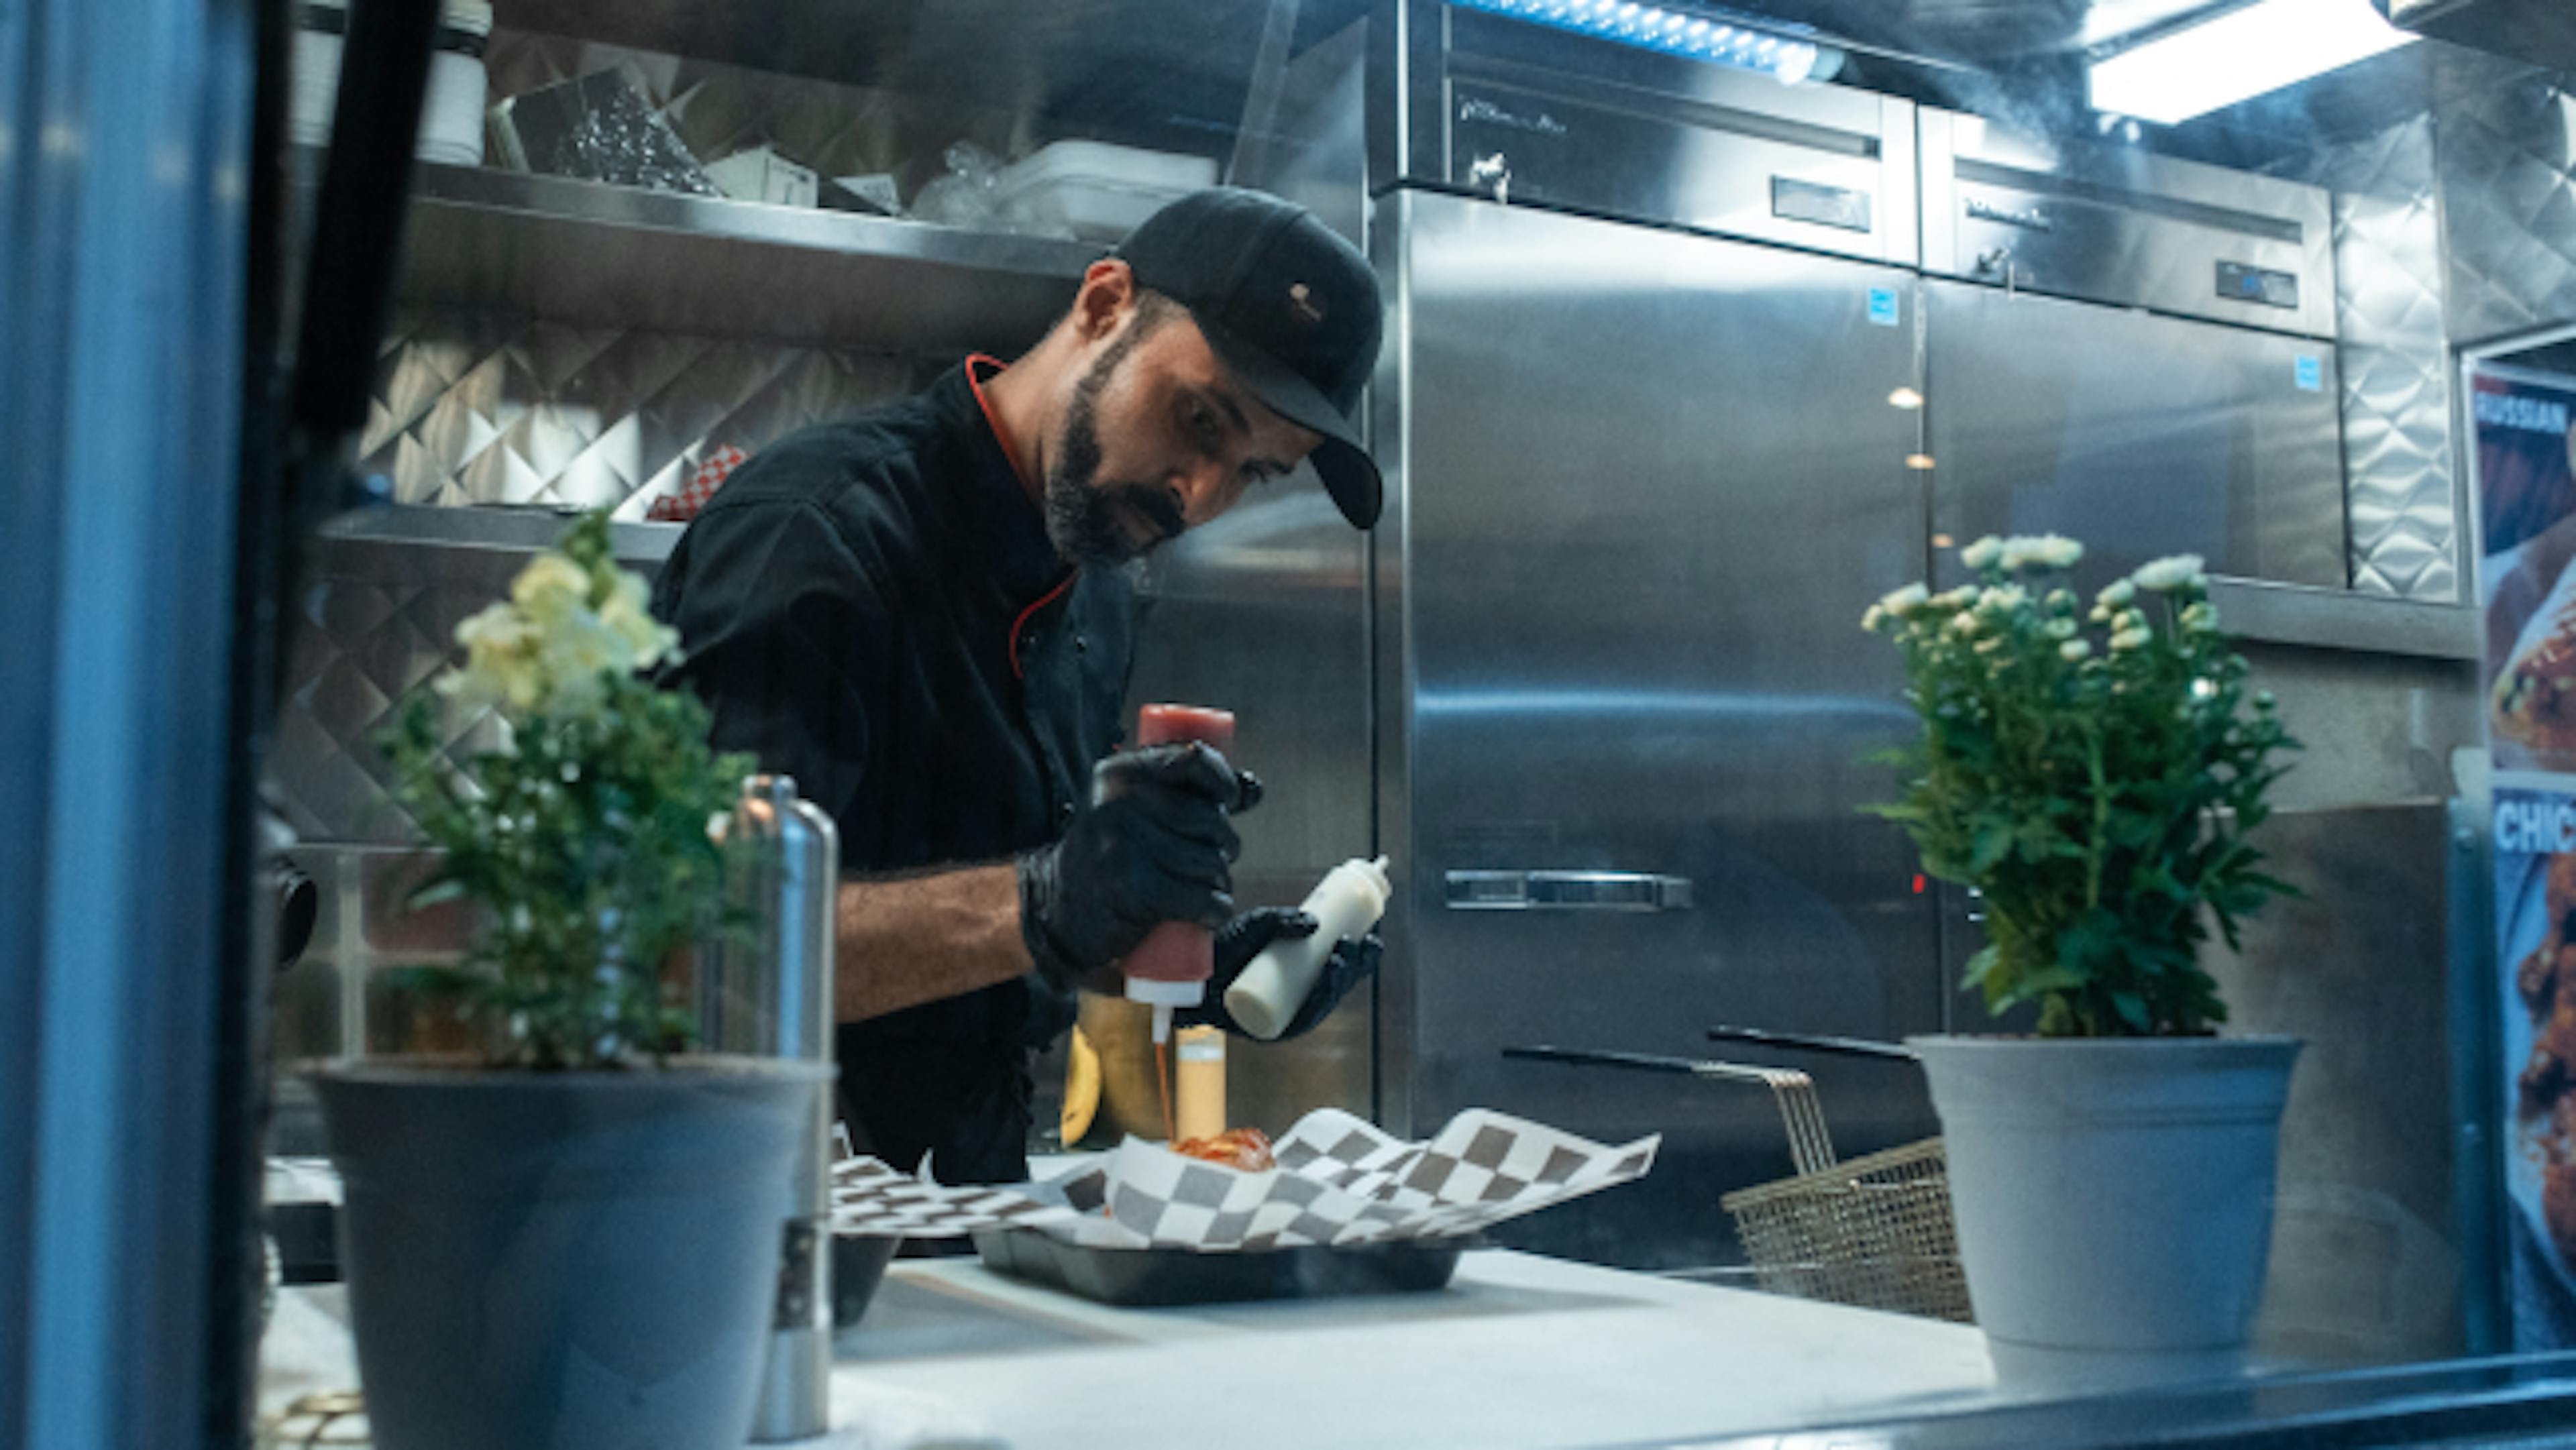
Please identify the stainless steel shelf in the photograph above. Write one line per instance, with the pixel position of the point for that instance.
(582, 251)
(2338, 619)
(464, 547)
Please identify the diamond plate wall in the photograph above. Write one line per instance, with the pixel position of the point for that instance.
(2401, 495)
(476, 409)
(2508, 168)
(363, 643)
(479, 409)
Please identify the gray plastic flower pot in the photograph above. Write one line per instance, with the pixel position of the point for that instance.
(564, 1261)
(2113, 1198)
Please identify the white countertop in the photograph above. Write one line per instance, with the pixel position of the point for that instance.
(1518, 1351)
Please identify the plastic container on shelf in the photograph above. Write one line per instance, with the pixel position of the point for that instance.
(1093, 190)
(451, 111)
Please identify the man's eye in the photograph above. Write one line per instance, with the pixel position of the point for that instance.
(1202, 426)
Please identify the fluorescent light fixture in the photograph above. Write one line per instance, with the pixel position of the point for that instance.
(2243, 53)
(1675, 32)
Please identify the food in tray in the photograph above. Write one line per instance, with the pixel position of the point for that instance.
(2534, 701)
(2546, 983)
(1247, 1149)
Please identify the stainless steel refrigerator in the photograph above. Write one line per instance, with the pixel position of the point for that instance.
(1647, 478)
(1686, 367)
(1650, 481)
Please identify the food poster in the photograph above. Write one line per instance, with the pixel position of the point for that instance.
(2524, 429)
(2535, 896)
(2526, 496)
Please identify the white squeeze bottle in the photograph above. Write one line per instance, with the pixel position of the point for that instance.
(1345, 904)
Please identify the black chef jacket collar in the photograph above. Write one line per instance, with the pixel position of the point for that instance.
(1013, 525)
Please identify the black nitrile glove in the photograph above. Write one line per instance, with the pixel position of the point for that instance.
(1153, 847)
(1244, 938)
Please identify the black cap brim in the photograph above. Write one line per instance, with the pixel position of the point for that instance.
(1349, 474)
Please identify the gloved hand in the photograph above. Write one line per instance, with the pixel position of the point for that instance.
(1153, 847)
(1244, 938)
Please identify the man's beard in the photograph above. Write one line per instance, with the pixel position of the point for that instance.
(1083, 516)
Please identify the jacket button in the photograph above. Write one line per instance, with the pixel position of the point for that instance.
(1064, 812)
(1081, 642)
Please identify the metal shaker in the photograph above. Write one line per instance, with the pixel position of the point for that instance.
(770, 994)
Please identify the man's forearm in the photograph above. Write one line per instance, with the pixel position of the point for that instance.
(910, 940)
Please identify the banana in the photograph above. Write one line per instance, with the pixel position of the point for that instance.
(1081, 1089)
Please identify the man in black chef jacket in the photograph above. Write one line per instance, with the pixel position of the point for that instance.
(921, 614)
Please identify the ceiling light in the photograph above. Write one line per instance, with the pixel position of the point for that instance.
(1919, 462)
(2243, 53)
(1679, 31)
(1905, 398)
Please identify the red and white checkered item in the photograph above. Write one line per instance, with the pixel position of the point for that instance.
(684, 503)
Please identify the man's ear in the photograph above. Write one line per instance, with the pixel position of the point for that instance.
(1108, 294)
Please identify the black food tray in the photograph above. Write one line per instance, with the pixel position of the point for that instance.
(1144, 1278)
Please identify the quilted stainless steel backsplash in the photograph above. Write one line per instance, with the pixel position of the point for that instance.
(486, 410)
(2508, 168)
(2400, 489)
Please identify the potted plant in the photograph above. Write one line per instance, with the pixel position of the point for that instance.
(571, 1238)
(2094, 773)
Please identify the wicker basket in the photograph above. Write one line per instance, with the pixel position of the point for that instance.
(1873, 1232)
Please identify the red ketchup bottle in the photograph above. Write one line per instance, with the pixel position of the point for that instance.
(1171, 966)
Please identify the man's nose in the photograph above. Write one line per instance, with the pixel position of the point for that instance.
(1202, 492)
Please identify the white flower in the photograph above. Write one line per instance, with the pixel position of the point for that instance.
(2046, 551)
(1872, 617)
(628, 615)
(2128, 619)
(500, 667)
(1990, 644)
(2061, 600)
(2118, 594)
(1983, 552)
(2265, 700)
(2178, 571)
(2003, 599)
(550, 587)
(2129, 639)
(2074, 650)
(578, 654)
(1903, 602)
(2201, 618)
(2061, 629)
(1964, 623)
(1959, 598)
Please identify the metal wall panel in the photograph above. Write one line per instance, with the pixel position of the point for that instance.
(1644, 502)
(2382, 1242)
(2507, 160)
(2141, 435)
(2400, 482)
(483, 408)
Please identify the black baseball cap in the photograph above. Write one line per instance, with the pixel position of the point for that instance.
(1289, 306)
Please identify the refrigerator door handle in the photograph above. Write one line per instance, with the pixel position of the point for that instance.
(1567, 891)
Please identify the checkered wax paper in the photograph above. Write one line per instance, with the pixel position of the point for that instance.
(1339, 1181)
(872, 1200)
